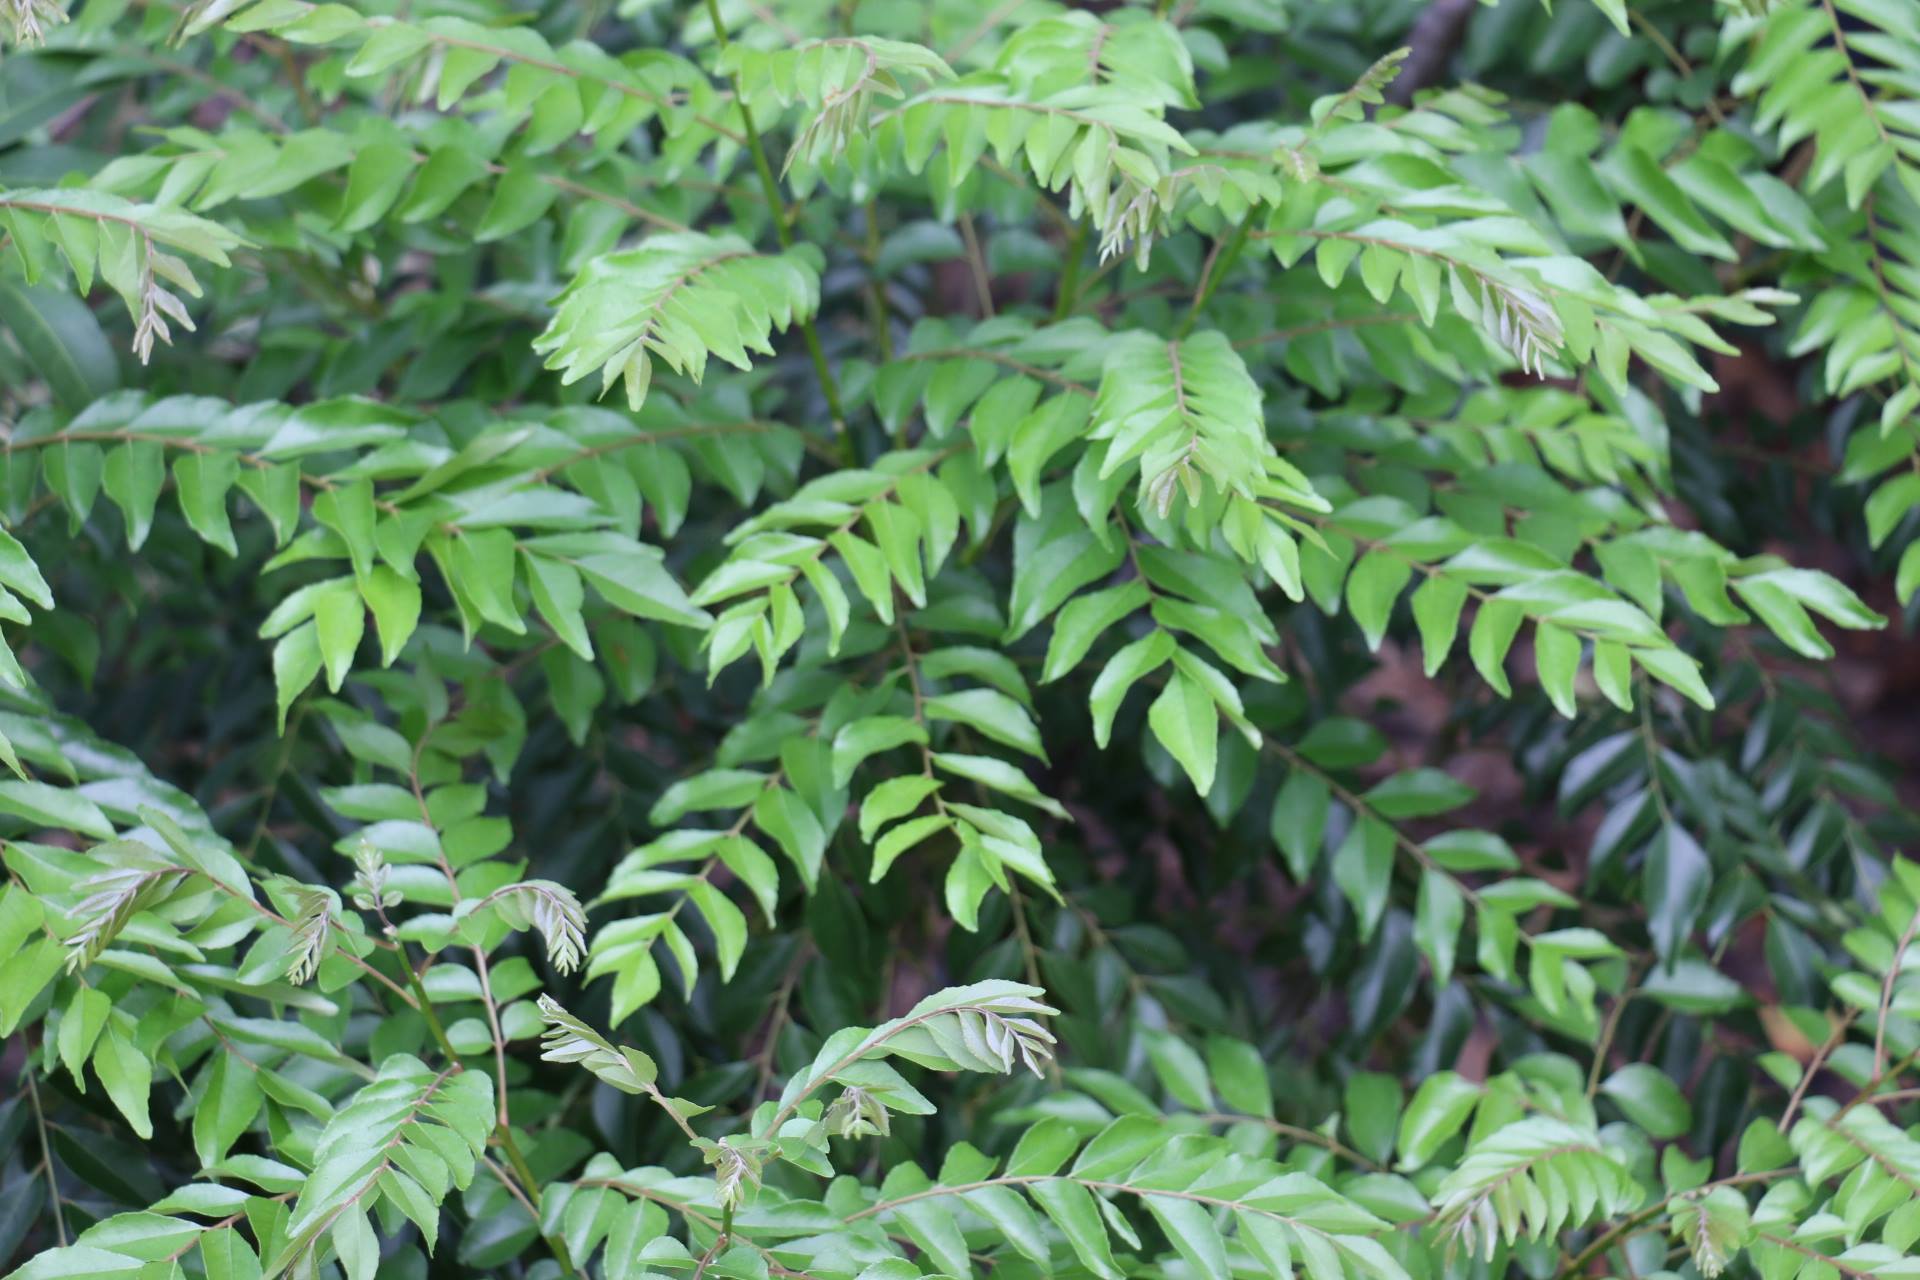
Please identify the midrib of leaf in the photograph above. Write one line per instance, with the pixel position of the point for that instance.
(672, 290)
(1094, 1184)
(1872, 1153)
(1867, 102)
(1180, 402)
(1883, 292)
(70, 211)
(325, 483)
(294, 1248)
(878, 1037)
(1354, 801)
(1531, 1162)
(825, 541)
(752, 427)
(557, 68)
(1002, 359)
(1457, 263)
(1844, 1268)
(1000, 104)
(1095, 49)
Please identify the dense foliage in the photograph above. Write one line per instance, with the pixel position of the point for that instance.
(894, 638)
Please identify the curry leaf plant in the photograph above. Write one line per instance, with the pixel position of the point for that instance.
(881, 639)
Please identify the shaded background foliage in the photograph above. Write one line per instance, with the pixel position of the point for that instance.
(1181, 918)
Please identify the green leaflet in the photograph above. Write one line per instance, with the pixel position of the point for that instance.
(837, 719)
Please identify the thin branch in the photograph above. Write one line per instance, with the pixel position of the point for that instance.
(1298, 1134)
(977, 265)
(776, 208)
(1886, 994)
(46, 1154)
(1813, 1068)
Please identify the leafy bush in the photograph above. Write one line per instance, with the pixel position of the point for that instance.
(1216, 687)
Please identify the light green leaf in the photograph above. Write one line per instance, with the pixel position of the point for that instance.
(1363, 868)
(1185, 722)
(1436, 1115)
(395, 602)
(1239, 1075)
(203, 480)
(1072, 1209)
(227, 1107)
(785, 818)
(993, 714)
(1649, 1099)
(133, 476)
(894, 798)
(128, 1076)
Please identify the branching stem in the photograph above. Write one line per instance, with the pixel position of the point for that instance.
(776, 208)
